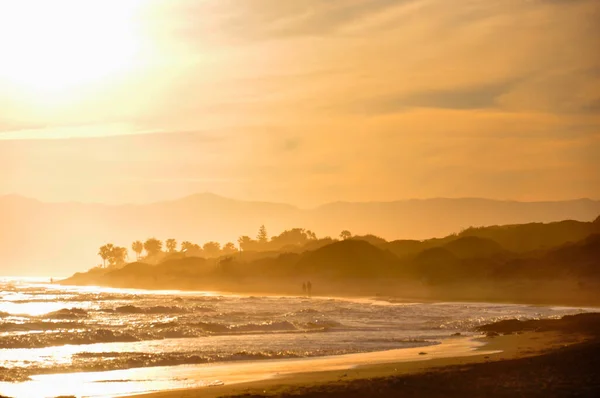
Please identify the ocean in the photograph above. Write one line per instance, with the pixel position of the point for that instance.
(50, 332)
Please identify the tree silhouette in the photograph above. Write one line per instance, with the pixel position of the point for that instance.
(153, 246)
(117, 256)
(246, 243)
(345, 234)
(105, 253)
(171, 245)
(229, 249)
(190, 248)
(292, 237)
(138, 248)
(262, 236)
(186, 246)
(212, 249)
(311, 235)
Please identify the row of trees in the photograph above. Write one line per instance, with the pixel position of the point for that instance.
(153, 247)
(114, 255)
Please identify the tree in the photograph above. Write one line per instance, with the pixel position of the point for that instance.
(345, 234)
(191, 249)
(262, 236)
(246, 243)
(153, 246)
(105, 252)
(138, 248)
(186, 246)
(117, 256)
(292, 237)
(171, 245)
(229, 249)
(311, 235)
(212, 249)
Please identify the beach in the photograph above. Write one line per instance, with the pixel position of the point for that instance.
(531, 364)
(106, 342)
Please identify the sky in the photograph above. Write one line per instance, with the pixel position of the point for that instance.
(304, 101)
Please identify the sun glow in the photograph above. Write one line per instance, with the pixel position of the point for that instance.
(57, 48)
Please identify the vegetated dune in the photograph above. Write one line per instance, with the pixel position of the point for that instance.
(458, 266)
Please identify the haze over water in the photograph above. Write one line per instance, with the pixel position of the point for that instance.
(48, 329)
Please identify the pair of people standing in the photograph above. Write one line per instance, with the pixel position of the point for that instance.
(307, 288)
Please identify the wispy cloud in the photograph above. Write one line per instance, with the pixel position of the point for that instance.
(322, 100)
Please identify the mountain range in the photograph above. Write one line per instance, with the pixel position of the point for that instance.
(38, 238)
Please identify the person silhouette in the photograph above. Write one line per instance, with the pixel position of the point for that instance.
(309, 288)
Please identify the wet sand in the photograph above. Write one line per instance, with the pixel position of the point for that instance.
(545, 358)
(508, 365)
(207, 377)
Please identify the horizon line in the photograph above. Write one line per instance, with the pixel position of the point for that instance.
(347, 202)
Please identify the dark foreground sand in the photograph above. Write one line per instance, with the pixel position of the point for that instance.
(539, 359)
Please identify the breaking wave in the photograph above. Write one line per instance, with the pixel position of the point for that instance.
(67, 313)
(60, 337)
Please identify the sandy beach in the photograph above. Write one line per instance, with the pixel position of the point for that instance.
(526, 363)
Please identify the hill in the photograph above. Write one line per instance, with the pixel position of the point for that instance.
(456, 267)
(58, 238)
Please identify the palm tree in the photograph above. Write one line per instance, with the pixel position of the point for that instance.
(118, 256)
(138, 248)
(212, 249)
(190, 248)
(105, 252)
(171, 245)
(153, 246)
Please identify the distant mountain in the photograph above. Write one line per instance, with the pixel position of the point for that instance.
(39, 238)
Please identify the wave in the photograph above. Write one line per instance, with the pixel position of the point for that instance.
(220, 328)
(309, 311)
(265, 327)
(38, 326)
(58, 338)
(203, 308)
(4, 314)
(39, 334)
(66, 313)
(159, 309)
(323, 324)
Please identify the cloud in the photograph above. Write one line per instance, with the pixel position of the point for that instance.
(252, 20)
(482, 97)
(340, 99)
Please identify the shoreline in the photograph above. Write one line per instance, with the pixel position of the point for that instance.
(209, 377)
(393, 294)
(484, 350)
(506, 345)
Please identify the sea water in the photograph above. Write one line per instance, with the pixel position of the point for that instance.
(88, 333)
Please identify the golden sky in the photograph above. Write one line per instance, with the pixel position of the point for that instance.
(302, 101)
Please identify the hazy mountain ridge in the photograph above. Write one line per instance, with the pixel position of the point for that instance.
(59, 238)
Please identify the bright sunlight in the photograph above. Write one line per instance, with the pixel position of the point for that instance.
(53, 50)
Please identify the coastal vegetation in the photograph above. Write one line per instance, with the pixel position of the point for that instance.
(536, 262)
